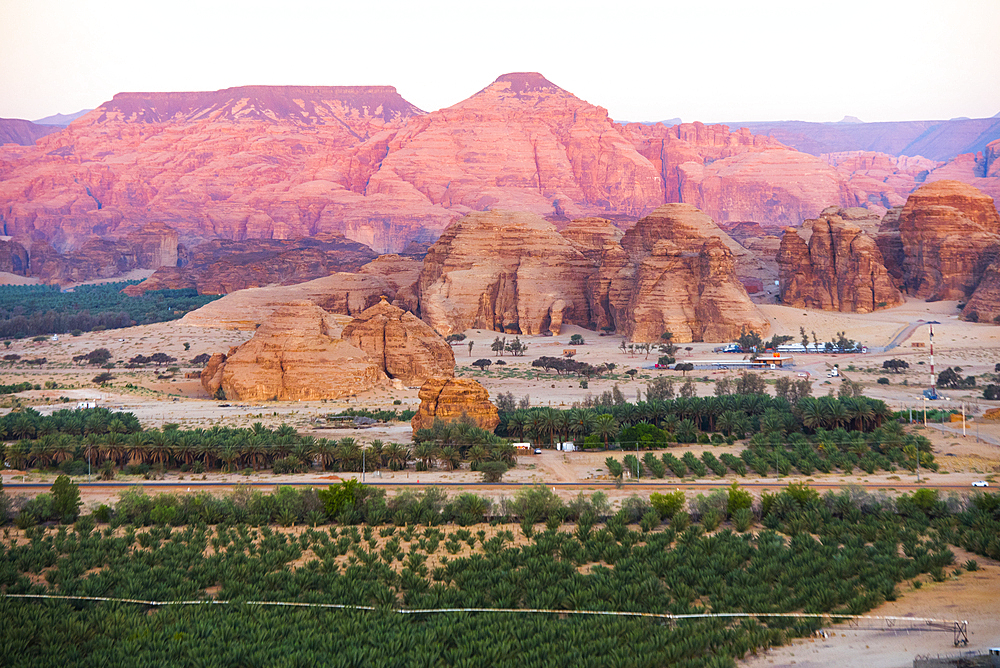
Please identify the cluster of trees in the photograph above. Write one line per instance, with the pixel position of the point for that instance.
(951, 378)
(843, 552)
(896, 365)
(775, 453)
(691, 419)
(160, 359)
(751, 342)
(563, 365)
(96, 357)
(516, 347)
(31, 310)
(113, 442)
(16, 387)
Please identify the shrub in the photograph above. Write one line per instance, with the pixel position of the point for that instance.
(667, 505)
(492, 471)
(883, 381)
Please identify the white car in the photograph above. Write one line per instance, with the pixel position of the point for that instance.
(980, 483)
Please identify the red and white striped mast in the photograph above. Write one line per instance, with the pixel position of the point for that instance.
(933, 379)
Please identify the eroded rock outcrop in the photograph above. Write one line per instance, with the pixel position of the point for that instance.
(405, 346)
(298, 355)
(450, 399)
(950, 233)
(211, 375)
(342, 294)
(221, 266)
(504, 271)
(674, 271)
(13, 257)
(840, 269)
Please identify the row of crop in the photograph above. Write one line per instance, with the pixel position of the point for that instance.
(848, 555)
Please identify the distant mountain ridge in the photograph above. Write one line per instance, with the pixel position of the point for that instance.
(23, 133)
(62, 120)
(300, 105)
(937, 140)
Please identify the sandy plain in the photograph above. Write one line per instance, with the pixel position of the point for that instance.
(159, 398)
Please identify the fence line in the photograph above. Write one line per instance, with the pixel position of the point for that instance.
(426, 611)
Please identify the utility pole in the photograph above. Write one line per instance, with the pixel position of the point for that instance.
(362, 464)
(963, 419)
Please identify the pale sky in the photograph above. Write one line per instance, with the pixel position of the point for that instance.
(721, 60)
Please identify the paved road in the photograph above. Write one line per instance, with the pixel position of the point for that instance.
(652, 485)
(902, 336)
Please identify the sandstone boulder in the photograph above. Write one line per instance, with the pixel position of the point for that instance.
(452, 398)
(504, 271)
(405, 346)
(950, 233)
(841, 268)
(297, 356)
(211, 375)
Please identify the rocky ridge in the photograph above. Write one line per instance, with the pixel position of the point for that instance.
(405, 347)
(676, 272)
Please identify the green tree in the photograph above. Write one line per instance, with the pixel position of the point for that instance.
(66, 498)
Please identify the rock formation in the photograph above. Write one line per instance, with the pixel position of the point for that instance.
(211, 375)
(504, 271)
(840, 269)
(674, 271)
(404, 346)
(13, 257)
(950, 233)
(222, 266)
(297, 355)
(301, 352)
(452, 398)
(984, 305)
(738, 176)
(879, 178)
(342, 294)
(156, 245)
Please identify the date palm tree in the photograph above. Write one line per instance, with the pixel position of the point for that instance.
(425, 452)
(450, 456)
(606, 426)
